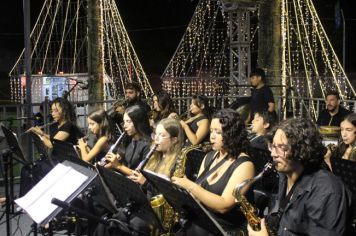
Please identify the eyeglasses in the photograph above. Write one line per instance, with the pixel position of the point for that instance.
(160, 136)
(280, 148)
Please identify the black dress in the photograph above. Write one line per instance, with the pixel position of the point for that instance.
(233, 220)
(193, 125)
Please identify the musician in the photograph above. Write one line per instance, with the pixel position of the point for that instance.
(116, 113)
(334, 112)
(100, 125)
(261, 95)
(133, 96)
(346, 148)
(222, 169)
(169, 139)
(137, 128)
(163, 107)
(261, 124)
(196, 128)
(64, 128)
(311, 201)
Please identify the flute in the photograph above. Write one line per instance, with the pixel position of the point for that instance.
(103, 161)
(41, 127)
(147, 158)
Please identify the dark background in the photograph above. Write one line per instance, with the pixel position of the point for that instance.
(155, 28)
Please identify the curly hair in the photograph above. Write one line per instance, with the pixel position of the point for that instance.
(105, 123)
(233, 132)
(304, 140)
(68, 111)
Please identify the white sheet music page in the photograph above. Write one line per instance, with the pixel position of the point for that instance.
(61, 182)
(162, 176)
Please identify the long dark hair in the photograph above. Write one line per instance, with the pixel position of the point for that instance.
(200, 101)
(342, 146)
(139, 118)
(68, 111)
(233, 132)
(166, 105)
(105, 123)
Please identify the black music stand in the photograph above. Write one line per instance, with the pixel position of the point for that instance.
(180, 199)
(10, 150)
(129, 195)
(14, 146)
(346, 170)
(41, 148)
(66, 151)
(63, 150)
(50, 215)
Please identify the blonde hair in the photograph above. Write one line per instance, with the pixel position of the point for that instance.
(164, 166)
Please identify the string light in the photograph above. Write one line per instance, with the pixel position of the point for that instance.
(55, 27)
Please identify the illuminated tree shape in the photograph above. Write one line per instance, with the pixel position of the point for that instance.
(59, 42)
(309, 63)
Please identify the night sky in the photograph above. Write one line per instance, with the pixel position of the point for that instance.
(155, 28)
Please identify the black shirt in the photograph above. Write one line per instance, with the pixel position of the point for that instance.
(141, 104)
(135, 152)
(68, 127)
(325, 119)
(317, 206)
(260, 99)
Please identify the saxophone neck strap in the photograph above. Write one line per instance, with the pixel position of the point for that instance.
(207, 171)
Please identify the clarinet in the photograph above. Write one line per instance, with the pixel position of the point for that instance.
(146, 159)
(103, 161)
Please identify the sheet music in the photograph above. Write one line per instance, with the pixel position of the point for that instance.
(162, 176)
(60, 182)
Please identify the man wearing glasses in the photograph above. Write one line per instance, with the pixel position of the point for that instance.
(311, 201)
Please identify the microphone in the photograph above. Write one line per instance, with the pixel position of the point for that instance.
(77, 81)
(68, 206)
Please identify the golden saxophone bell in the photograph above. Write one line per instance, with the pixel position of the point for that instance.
(157, 204)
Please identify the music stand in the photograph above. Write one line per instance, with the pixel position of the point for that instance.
(48, 188)
(41, 148)
(127, 192)
(14, 146)
(346, 170)
(181, 200)
(66, 151)
(10, 150)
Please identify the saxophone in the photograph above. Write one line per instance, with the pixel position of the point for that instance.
(168, 216)
(247, 208)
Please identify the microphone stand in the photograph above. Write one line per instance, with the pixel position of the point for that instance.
(65, 96)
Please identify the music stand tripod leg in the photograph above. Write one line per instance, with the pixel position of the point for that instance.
(6, 158)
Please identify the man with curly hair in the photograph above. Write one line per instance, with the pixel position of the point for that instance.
(311, 201)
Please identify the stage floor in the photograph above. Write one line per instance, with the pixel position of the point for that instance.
(20, 224)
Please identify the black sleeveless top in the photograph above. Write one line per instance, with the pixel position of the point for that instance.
(233, 219)
(193, 125)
